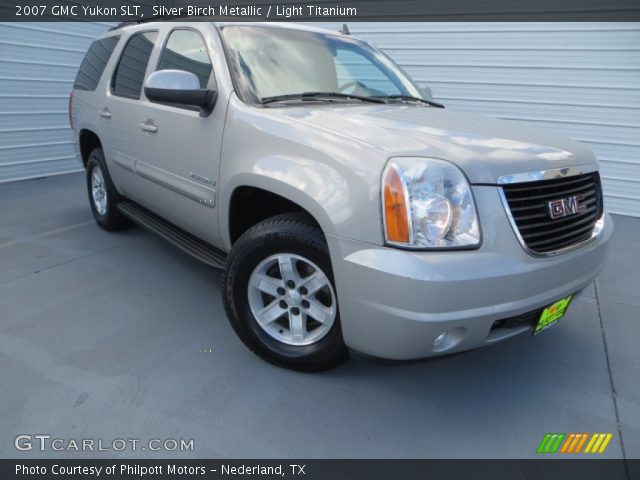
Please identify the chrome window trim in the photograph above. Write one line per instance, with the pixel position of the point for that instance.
(550, 174)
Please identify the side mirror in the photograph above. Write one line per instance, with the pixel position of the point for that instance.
(428, 92)
(180, 87)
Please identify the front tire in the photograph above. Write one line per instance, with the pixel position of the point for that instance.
(279, 295)
(103, 196)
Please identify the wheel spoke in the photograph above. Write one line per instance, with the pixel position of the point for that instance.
(314, 282)
(297, 327)
(271, 312)
(98, 191)
(269, 285)
(288, 268)
(318, 311)
(273, 299)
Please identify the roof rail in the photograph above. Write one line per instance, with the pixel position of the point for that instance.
(155, 18)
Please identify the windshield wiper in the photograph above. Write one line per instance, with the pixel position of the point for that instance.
(409, 98)
(318, 95)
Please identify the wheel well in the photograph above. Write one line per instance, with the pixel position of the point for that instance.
(250, 205)
(88, 142)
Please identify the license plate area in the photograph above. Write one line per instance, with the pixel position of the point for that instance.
(551, 314)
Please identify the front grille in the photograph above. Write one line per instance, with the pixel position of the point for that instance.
(529, 206)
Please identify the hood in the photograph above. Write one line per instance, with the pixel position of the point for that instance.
(484, 148)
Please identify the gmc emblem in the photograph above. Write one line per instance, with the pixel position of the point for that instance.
(566, 206)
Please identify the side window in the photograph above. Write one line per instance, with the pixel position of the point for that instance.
(185, 50)
(352, 66)
(94, 62)
(129, 76)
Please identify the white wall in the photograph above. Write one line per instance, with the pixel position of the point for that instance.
(578, 79)
(38, 64)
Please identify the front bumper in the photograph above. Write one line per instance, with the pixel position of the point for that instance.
(394, 303)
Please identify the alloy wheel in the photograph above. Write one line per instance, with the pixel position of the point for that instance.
(98, 191)
(292, 299)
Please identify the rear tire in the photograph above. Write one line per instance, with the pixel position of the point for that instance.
(279, 294)
(103, 197)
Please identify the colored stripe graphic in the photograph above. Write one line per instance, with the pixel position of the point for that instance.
(605, 443)
(567, 443)
(598, 443)
(543, 443)
(550, 442)
(581, 443)
(574, 443)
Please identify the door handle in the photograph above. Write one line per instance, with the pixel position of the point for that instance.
(148, 127)
(105, 113)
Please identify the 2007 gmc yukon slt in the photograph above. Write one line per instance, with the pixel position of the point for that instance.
(349, 210)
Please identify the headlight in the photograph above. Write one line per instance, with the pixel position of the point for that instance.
(427, 203)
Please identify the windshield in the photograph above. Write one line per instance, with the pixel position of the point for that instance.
(269, 62)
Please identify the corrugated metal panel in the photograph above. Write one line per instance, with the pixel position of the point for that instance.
(38, 63)
(578, 79)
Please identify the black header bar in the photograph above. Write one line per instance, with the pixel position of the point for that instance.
(543, 469)
(322, 10)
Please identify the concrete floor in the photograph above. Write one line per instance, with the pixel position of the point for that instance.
(106, 335)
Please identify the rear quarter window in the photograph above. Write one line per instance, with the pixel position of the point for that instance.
(93, 64)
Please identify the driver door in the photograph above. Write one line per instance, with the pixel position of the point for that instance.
(181, 163)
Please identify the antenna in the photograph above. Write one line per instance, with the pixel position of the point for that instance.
(345, 29)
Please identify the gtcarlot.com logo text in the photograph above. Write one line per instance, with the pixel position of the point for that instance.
(47, 443)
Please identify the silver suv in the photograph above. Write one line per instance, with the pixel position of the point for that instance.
(349, 210)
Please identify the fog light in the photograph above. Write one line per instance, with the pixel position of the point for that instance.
(439, 340)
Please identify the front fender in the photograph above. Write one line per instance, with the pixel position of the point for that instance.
(314, 186)
(335, 179)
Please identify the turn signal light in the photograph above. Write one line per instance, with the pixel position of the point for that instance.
(396, 218)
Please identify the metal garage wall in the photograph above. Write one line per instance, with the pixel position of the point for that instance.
(38, 63)
(578, 79)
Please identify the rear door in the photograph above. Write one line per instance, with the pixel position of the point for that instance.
(123, 141)
(87, 96)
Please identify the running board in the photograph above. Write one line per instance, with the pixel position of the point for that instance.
(181, 239)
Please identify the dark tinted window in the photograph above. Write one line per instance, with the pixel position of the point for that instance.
(94, 62)
(133, 65)
(185, 50)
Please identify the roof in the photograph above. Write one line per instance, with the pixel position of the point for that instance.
(285, 25)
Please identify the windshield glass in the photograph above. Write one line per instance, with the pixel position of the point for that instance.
(269, 62)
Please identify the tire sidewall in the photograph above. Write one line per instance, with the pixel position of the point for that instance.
(96, 161)
(112, 219)
(245, 259)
